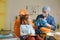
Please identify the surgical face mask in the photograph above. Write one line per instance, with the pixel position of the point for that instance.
(44, 14)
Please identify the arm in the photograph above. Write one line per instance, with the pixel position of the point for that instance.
(53, 24)
(31, 22)
(50, 26)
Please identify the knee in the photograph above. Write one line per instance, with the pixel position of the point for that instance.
(38, 38)
(30, 38)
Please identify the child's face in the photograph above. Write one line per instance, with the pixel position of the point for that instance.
(26, 21)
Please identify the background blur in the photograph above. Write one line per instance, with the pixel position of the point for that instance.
(9, 9)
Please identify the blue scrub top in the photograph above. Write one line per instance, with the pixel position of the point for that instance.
(50, 20)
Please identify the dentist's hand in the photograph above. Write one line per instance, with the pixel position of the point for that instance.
(49, 26)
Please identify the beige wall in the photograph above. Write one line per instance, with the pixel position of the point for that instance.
(13, 7)
(2, 14)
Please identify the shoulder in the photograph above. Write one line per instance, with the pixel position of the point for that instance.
(51, 17)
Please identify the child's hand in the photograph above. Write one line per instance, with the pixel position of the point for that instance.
(30, 35)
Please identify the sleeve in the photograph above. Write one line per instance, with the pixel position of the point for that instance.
(53, 24)
(32, 31)
(22, 32)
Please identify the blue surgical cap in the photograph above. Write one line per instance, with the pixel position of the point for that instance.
(46, 9)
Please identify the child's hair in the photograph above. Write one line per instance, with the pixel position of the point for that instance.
(23, 17)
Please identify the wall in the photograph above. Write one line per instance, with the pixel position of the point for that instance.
(2, 14)
(14, 6)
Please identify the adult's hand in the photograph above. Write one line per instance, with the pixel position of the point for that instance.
(49, 26)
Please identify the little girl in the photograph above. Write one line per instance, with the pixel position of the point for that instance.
(25, 28)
